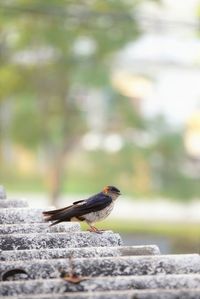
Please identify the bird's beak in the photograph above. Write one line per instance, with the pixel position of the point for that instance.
(119, 193)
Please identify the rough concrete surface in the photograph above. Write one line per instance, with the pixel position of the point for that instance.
(28, 228)
(60, 286)
(84, 252)
(109, 266)
(20, 215)
(13, 203)
(58, 240)
(126, 294)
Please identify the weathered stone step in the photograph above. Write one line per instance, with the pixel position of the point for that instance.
(58, 240)
(109, 266)
(28, 228)
(14, 255)
(133, 294)
(45, 286)
(13, 203)
(20, 215)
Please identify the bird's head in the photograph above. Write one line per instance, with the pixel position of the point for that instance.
(112, 191)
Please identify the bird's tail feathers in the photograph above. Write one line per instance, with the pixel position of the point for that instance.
(59, 215)
(52, 212)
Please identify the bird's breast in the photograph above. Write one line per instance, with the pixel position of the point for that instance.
(99, 215)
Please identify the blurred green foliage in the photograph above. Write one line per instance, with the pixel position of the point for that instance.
(49, 51)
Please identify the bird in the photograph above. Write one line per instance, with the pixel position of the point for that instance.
(91, 210)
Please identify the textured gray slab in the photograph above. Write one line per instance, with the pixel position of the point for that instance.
(140, 250)
(2, 192)
(13, 203)
(109, 266)
(58, 240)
(136, 294)
(20, 215)
(60, 286)
(14, 255)
(27, 228)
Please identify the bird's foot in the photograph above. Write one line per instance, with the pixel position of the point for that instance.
(93, 229)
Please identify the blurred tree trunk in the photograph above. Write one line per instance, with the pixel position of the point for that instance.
(57, 152)
(56, 178)
(57, 170)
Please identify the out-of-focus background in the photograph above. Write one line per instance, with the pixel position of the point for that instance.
(105, 92)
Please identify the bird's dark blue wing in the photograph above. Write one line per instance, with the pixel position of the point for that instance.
(79, 208)
(94, 204)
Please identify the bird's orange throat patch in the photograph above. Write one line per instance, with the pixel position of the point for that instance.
(105, 190)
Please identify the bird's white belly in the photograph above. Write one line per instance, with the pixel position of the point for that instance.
(99, 215)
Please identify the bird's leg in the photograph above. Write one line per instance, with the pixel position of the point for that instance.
(93, 229)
